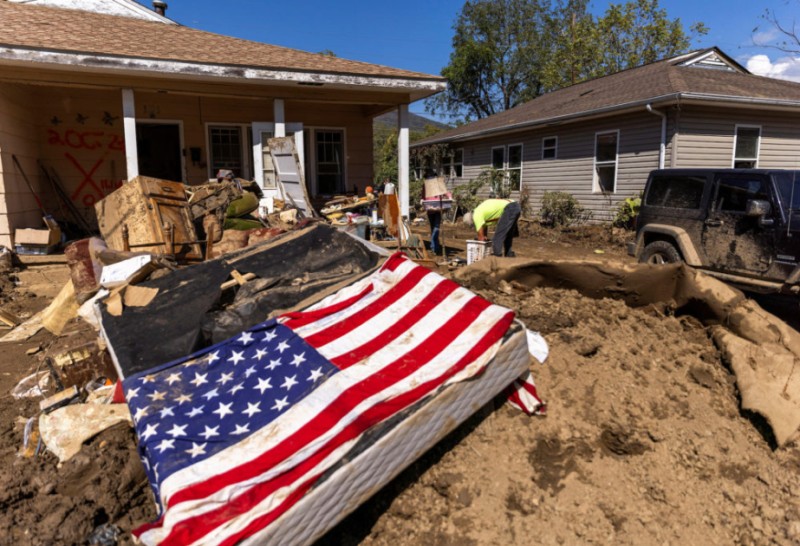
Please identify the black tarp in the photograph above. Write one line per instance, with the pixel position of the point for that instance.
(191, 312)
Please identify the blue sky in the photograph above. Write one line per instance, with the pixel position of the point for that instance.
(416, 34)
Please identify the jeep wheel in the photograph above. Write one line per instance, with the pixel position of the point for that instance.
(660, 252)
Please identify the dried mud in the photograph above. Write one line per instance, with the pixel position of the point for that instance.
(644, 443)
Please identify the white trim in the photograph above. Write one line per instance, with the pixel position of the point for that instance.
(595, 179)
(129, 124)
(311, 180)
(453, 164)
(554, 148)
(244, 129)
(105, 64)
(734, 159)
(259, 127)
(402, 158)
(279, 115)
(179, 123)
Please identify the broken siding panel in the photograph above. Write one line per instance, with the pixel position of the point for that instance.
(18, 138)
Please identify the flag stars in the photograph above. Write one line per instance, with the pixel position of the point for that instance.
(149, 431)
(274, 364)
(315, 374)
(260, 353)
(252, 409)
(289, 382)
(213, 357)
(225, 378)
(246, 338)
(165, 445)
(263, 384)
(177, 431)
(195, 411)
(199, 379)
(249, 371)
(280, 404)
(241, 429)
(157, 395)
(223, 410)
(236, 357)
(167, 411)
(148, 379)
(269, 336)
(197, 450)
(298, 359)
(173, 378)
(282, 346)
(213, 393)
(141, 412)
(210, 432)
(133, 393)
(236, 388)
(183, 398)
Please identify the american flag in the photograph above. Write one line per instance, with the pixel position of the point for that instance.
(232, 436)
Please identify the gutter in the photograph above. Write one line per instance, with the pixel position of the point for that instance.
(673, 97)
(662, 148)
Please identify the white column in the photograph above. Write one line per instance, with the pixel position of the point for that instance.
(131, 150)
(402, 158)
(280, 118)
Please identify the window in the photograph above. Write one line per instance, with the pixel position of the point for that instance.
(453, 164)
(226, 150)
(745, 147)
(329, 161)
(676, 191)
(549, 147)
(789, 188)
(514, 167)
(605, 162)
(509, 160)
(734, 192)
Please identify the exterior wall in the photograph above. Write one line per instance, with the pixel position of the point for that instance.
(18, 209)
(707, 137)
(572, 170)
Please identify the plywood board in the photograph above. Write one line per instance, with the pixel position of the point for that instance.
(290, 174)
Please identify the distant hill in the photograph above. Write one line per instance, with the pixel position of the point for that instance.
(415, 121)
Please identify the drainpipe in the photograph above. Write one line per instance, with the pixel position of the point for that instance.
(662, 149)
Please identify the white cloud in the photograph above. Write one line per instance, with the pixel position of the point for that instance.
(783, 68)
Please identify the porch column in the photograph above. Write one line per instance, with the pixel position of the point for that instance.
(280, 118)
(402, 158)
(131, 150)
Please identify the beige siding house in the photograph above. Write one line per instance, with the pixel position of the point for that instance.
(599, 139)
(98, 98)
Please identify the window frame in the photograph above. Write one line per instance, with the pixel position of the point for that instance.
(312, 160)
(755, 160)
(595, 176)
(554, 148)
(508, 169)
(245, 134)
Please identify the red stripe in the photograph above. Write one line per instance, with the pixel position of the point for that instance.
(301, 318)
(394, 261)
(195, 528)
(403, 325)
(348, 399)
(348, 324)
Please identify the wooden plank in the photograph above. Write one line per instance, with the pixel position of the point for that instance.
(290, 174)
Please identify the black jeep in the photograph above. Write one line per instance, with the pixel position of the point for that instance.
(741, 225)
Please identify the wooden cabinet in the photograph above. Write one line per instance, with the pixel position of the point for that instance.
(149, 208)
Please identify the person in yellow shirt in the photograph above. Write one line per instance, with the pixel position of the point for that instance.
(502, 212)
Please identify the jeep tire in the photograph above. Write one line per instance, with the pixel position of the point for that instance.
(660, 252)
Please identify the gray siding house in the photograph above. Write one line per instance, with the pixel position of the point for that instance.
(599, 139)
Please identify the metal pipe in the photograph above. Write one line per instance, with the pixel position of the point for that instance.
(662, 149)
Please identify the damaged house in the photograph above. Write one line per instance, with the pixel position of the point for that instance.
(96, 93)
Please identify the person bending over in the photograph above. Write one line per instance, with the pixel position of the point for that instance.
(503, 212)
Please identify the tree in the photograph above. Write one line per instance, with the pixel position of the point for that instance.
(788, 38)
(506, 52)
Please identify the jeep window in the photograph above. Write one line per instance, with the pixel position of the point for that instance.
(734, 192)
(789, 188)
(745, 155)
(675, 191)
(605, 162)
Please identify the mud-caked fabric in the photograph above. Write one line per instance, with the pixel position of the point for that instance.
(506, 230)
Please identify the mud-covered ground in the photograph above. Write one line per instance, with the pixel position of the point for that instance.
(643, 443)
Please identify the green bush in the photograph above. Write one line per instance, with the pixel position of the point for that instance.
(466, 195)
(627, 211)
(561, 209)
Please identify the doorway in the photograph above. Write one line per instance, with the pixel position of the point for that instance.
(159, 150)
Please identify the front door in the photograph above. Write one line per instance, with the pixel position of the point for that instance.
(159, 149)
(732, 240)
(262, 162)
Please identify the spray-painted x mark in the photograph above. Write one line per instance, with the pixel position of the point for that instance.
(87, 176)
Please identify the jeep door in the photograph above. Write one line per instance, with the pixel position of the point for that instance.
(733, 241)
(787, 256)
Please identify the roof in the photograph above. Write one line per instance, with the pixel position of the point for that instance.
(38, 30)
(688, 76)
(125, 8)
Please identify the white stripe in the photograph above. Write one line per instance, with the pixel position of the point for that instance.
(463, 343)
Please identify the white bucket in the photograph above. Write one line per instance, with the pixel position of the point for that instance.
(478, 250)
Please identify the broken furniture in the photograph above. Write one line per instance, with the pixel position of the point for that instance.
(152, 215)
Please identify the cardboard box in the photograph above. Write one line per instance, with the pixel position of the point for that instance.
(38, 241)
